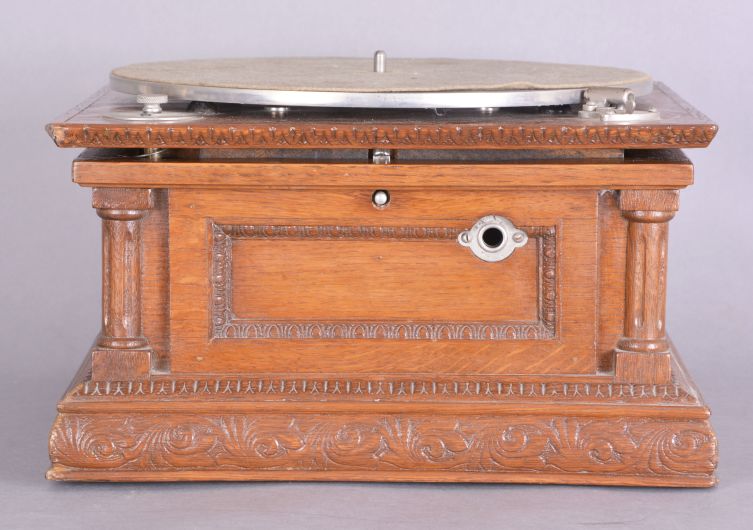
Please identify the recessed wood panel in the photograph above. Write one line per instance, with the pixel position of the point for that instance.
(359, 280)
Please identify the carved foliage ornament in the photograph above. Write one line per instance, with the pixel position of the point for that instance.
(493, 444)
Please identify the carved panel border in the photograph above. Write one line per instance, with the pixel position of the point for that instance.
(516, 136)
(486, 389)
(226, 325)
(377, 442)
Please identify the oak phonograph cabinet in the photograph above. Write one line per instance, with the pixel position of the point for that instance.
(387, 270)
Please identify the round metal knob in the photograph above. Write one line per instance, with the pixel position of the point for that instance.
(151, 103)
(151, 111)
(146, 99)
(380, 198)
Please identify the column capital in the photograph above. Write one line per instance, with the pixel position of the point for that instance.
(648, 216)
(649, 201)
(123, 199)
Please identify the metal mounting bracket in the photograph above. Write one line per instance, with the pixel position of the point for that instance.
(614, 105)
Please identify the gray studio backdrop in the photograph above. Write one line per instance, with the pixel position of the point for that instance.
(54, 54)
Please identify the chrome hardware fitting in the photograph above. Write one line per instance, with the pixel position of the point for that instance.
(614, 105)
(277, 112)
(493, 238)
(153, 153)
(151, 111)
(381, 156)
(152, 103)
(380, 65)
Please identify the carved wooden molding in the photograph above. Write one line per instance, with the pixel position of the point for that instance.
(426, 136)
(381, 388)
(226, 325)
(378, 442)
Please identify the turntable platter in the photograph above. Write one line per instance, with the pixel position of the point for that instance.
(353, 82)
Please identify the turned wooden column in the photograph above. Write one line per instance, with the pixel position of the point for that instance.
(642, 354)
(121, 351)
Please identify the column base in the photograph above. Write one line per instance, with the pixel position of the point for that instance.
(121, 365)
(632, 367)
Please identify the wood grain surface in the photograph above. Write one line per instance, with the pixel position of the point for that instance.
(663, 169)
(199, 277)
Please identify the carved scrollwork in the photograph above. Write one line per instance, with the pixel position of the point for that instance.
(317, 442)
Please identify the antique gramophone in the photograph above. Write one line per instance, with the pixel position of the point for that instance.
(398, 270)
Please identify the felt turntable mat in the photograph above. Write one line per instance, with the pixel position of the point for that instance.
(357, 75)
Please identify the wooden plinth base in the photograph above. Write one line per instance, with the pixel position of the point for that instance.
(565, 430)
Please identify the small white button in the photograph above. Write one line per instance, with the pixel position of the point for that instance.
(380, 198)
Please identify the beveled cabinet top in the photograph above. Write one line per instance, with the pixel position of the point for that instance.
(239, 126)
